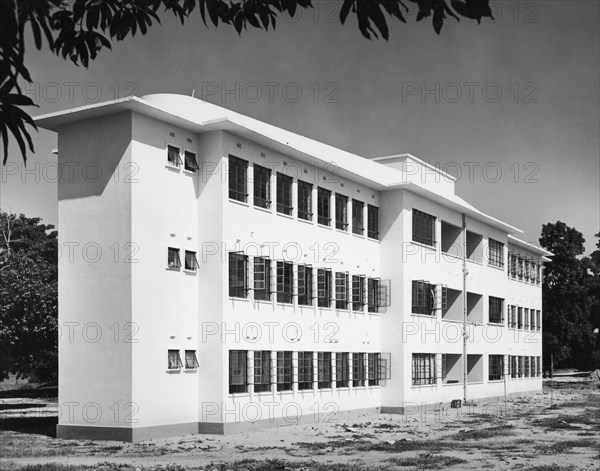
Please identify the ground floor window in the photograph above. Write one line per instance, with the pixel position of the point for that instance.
(496, 367)
(285, 371)
(305, 370)
(373, 369)
(342, 369)
(324, 373)
(358, 369)
(423, 368)
(262, 371)
(238, 371)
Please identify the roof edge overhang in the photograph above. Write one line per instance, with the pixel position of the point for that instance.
(531, 247)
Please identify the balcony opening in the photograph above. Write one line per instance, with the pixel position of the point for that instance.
(475, 308)
(474, 247)
(474, 368)
(452, 371)
(453, 310)
(451, 243)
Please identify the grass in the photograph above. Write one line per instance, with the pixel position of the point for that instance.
(550, 467)
(568, 422)
(484, 433)
(564, 446)
(427, 461)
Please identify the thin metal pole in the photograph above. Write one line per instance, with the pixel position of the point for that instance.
(464, 305)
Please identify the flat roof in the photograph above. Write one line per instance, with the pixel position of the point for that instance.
(200, 116)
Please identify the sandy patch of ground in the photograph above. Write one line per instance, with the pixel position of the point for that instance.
(558, 429)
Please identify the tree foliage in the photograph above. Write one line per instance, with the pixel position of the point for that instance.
(28, 298)
(79, 29)
(571, 297)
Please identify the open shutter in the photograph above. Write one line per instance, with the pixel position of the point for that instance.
(301, 280)
(385, 293)
(385, 366)
(260, 273)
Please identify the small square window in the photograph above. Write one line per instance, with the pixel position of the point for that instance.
(191, 164)
(173, 260)
(174, 360)
(191, 361)
(173, 156)
(191, 262)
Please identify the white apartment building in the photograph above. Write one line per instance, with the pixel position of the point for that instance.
(219, 274)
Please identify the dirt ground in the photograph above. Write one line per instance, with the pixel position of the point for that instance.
(557, 429)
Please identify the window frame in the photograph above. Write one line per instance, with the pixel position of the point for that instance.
(341, 212)
(306, 371)
(262, 371)
(262, 294)
(425, 300)
(372, 222)
(261, 186)
(358, 292)
(358, 217)
(495, 253)
(176, 265)
(238, 290)
(241, 356)
(495, 367)
(174, 362)
(175, 162)
(238, 179)
(424, 369)
(194, 265)
(191, 358)
(323, 210)
(284, 376)
(492, 302)
(373, 368)
(342, 369)
(284, 194)
(423, 223)
(324, 370)
(358, 370)
(304, 191)
(341, 296)
(324, 291)
(305, 273)
(285, 282)
(190, 168)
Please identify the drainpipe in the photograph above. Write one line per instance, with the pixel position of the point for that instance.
(464, 305)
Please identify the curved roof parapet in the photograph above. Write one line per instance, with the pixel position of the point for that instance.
(195, 115)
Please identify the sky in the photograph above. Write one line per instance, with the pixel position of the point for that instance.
(511, 107)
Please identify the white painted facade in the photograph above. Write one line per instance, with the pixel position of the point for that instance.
(122, 204)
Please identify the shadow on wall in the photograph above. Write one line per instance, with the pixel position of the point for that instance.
(94, 153)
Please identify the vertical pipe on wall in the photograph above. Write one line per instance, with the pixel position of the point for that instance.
(464, 304)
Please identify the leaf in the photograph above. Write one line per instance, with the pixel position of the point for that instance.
(347, 5)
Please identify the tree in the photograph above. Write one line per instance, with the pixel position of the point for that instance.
(28, 298)
(570, 294)
(80, 29)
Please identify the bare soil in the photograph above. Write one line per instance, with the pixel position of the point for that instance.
(557, 429)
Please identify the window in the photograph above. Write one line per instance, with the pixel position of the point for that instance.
(305, 370)
(496, 253)
(512, 316)
(324, 372)
(538, 277)
(238, 371)
(538, 320)
(285, 371)
(262, 371)
(520, 367)
(191, 262)
(262, 278)
(519, 268)
(526, 270)
(372, 222)
(262, 187)
(423, 226)
(526, 370)
(238, 176)
(342, 369)
(191, 164)
(512, 266)
(538, 367)
(532, 317)
(358, 369)
(284, 194)
(324, 296)
(173, 260)
(173, 157)
(174, 360)
(422, 298)
(304, 201)
(423, 368)
(358, 226)
(341, 290)
(520, 318)
(373, 294)
(305, 287)
(191, 361)
(373, 369)
(358, 292)
(513, 366)
(238, 275)
(341, 212)
(526, 319)
(323, 206)
(496, 367)
(496, 311)
(285, 282)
